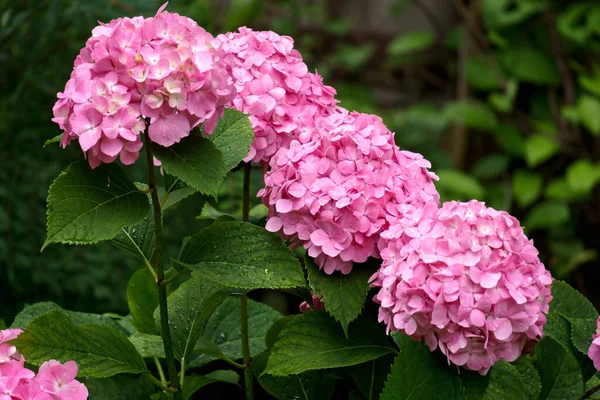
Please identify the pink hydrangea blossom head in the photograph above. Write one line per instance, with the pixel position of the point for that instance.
(467, 280)
(336, 190)
(274, 87)
(165, 70)
(594, 351)
(317, 304)
(8, 351)
(59, 380)
(12, 376)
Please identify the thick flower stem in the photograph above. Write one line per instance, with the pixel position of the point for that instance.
(589, 393)
(160, 276)
(248, 378)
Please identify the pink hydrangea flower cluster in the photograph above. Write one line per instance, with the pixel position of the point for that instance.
(469, 282)
(317, 304)
(164, 69)
(336, 192)
(594, 350)
(275, 88)
(54, 381)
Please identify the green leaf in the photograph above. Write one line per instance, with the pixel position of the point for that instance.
(354, 57)
(582, 176)
(142, 298)
(459, 185)
(194, 160)
(148, 345)
(547, 214)
(233, 137)
(503, 382)
(33, 311)
(531, 65)
(510, 139)
(588, 108)
(503, 13)
(581, 333)
(539, 148)
(343, 295)
(410, 42)
(223, 329)
(176, 196)
(559, 189)
(313, 385)
(242, 255)
(527, 186)
(138, 238)
(370, 377)
(472, 114)
(418, 374)
(55, 139)
(194, 382)
(569, 303)
(575, 23)
(504, 101)
(86, 206)
(119, 387)
(591, 82)
(190, 307)
(559, 371)
(99, 351)
(490, 166)
(315, 341)
(530, 377)
(484, 73)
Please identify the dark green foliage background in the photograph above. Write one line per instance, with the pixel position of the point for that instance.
(534, 154)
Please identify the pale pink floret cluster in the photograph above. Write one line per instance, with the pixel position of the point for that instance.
(54, 381)
(275, 88)
(594, 350)
(470, 282)
(164, 69)
(338, 190)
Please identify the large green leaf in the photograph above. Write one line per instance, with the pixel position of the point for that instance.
(370, 377)
(559, 371)
(545, 215)
(315, 341)
(419, 374)
(527, 186)
(148, 345)
(33, 311)
(410, 42)
(588, 108)
(343, 295)
(194, 382)
(582, 176)
(472, 114)
(233, 137)
(89, 205)
(569, 303)
(142, 298)
(99, 351)
(504, 381)
(313, 385)
(242, 255)
(138, 238)
(196, 161)
(529, 64)
(484, 73)
(539, 148)
(457, 185)
(119, 387)
(223, 329)
(190, 307)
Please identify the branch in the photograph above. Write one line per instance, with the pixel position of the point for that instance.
(431, 18)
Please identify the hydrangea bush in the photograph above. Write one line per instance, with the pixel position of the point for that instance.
(352, 211)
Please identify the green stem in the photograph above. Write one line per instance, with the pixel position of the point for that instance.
(160, 384)
(160, 275)
(248, 378)
(589, 393)
(159, 368)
